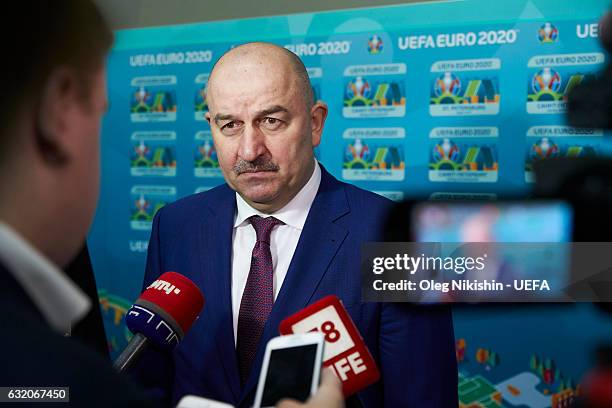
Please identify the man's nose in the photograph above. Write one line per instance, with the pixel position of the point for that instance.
(252, 143)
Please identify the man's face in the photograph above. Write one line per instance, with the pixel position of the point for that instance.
(83, 171)
(263, 132)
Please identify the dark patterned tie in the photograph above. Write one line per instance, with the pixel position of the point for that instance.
(258, 295)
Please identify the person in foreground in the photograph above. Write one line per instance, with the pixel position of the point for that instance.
(53, 97)
(281, 233)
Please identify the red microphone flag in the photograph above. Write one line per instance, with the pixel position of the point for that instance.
(345, 351)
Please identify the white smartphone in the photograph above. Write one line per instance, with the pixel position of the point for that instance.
(291, 369)
(193, 401)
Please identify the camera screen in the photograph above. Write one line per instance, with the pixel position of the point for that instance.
(493, 222)
(289, 375)
(516, 238)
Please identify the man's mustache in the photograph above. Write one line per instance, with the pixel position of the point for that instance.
(259, 164)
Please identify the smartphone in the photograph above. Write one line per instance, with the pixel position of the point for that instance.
(291, 368)
(193, 401)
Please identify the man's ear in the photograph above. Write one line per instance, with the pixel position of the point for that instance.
(318, 114)
(59, 102)
(207, 116)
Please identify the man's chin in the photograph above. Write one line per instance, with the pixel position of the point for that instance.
(262, 200)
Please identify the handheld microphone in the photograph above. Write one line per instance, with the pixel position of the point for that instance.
(162, 315)
(345, 351)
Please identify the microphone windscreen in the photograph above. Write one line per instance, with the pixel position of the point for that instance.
(167, 308)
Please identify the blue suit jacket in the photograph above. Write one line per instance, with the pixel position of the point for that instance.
(413, 346)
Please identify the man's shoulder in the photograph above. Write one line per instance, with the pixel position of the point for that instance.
(198, 202)
(367, 196)
(38, 356)
(368, 202)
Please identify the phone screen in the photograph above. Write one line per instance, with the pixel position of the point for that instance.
(289, 374)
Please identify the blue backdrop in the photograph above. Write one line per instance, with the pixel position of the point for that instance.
(452, 99)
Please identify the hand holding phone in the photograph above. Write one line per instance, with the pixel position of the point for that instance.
(291, 369)
(329, 394)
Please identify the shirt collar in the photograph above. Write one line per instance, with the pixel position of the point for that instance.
(294, 213)
(57, 297)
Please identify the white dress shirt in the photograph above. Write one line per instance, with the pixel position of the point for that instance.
(283, 240)
(59, 299)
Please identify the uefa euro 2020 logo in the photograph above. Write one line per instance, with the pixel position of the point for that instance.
(206, 155)
(447, 88)
(200, 100)
(543, 149)
(357, 155)
(359, 89)
(546, 85)
(446, 156)
(548, 33)
(375, 45)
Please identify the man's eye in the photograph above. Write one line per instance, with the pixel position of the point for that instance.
(231, 128)
(271, 123)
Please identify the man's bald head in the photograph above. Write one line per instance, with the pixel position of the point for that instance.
(267, 56)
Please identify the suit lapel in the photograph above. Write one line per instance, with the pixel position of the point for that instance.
(319, 242)
(217, 273)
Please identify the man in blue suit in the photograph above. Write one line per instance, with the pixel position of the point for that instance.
(281, 234)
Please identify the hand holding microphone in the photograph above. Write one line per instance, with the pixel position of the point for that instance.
(162, 315)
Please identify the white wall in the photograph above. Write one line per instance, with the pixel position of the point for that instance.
(146, 13)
